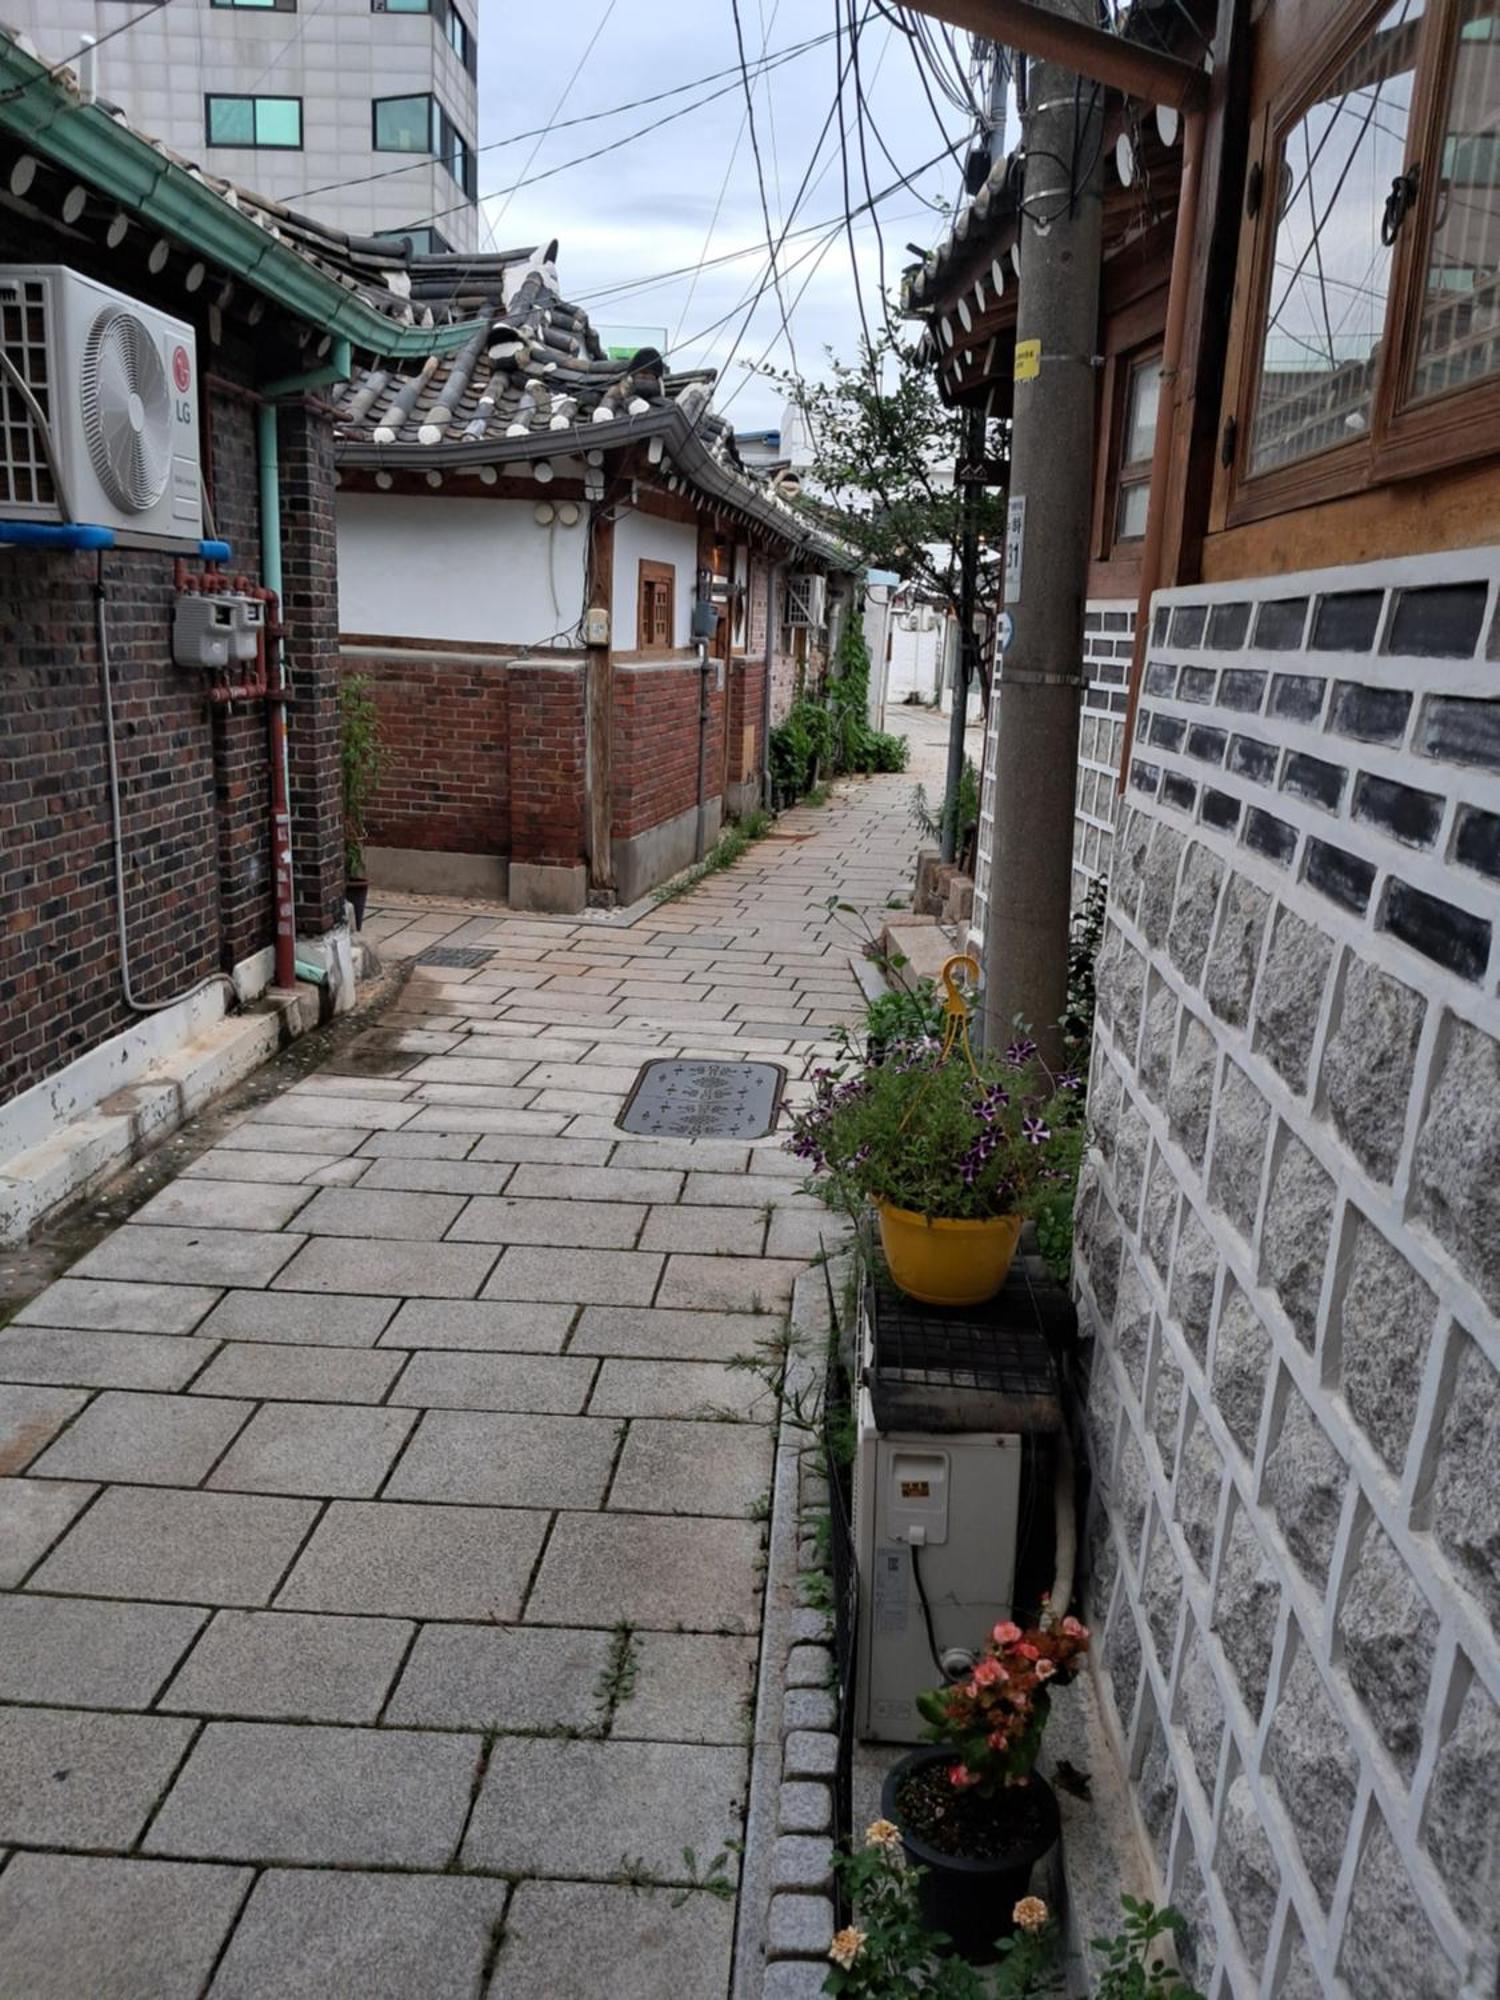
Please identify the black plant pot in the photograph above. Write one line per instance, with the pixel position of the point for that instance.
(971, 1901)
(357, 890)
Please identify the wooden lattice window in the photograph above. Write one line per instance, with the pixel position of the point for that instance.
(655, 602)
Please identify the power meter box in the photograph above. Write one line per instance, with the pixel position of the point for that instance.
(213, 632)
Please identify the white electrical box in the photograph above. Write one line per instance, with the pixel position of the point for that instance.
(116, 386)
(937, 1513)
(596, 626)
(210, 632)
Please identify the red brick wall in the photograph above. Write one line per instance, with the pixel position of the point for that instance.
(656, 744)
(445, 726)
(547, 804)
(310, 593)
(747, 694)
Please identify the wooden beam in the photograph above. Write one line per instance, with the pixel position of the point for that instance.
(1103, 58)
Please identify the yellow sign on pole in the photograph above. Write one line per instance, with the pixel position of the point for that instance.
(1028, 360)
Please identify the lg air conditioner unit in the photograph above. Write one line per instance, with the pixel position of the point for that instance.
(105, 429)
(935, 1526)
(806, 599)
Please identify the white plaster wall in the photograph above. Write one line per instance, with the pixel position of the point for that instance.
(643, 538)
(482, 570)
(916, 661)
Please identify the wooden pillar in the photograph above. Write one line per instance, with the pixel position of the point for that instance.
(599, 708)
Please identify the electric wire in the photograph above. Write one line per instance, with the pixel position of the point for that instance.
(493, 222)
(760, 177)
(55, 70)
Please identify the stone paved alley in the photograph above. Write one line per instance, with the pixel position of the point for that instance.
(382, 1550)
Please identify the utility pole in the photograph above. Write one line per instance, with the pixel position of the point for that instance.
(969, 475)
(1051, 484)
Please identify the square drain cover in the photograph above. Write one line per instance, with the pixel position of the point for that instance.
(470, 958)
(704, 1100)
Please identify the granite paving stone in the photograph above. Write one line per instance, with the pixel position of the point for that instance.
(713, 1232)
(290, 1665)
(325, 1140)
(33, 1515)
(72, 1777)
(689, 1687)
(90, 1653)
(322, 1934)
(181, 1547)
(480, 1326)
(796, 1232)
(728, 1284)
(417, 1270)
(148, 1440)
(648, 1570)
(265, 1791)
(317, 1319)
(585, 1277)
(562, 1183)
(580, 1941)
(437, 1176)
(745, 1191)
(555, 1385)
(223, 1163)
(476, 1118)
(718, 1156)
(114, 1307)
(502, 1677)
(506, 1461)
(30, 1417)
(653, 1334)
(417, 1562)
(74, 1925)
(415, 1218)
(552, 1807)
(692, 1468)
(316, 1448)
(190, 1256)
(93, 1360)
(518, 1150)
(417, 1145)
(295, 1374)
(706, 1390)
(224, 1204)
(553, 1224)
(322, 1111)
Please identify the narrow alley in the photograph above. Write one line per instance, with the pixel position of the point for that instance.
(384, 1555)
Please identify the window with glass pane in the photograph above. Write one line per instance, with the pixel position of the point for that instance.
(278, 121)
(402, 6)
(1458, 334)
(231, 121)
(458, 36)
(1138, 440)
(1330, 273)
(403, 125)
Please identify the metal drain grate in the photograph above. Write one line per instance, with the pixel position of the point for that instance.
(470, 958)
(704, 1100)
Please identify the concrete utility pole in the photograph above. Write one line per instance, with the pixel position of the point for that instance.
(1051, 488)
(968, 471)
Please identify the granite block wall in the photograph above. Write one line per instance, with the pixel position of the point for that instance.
(1289, 1275)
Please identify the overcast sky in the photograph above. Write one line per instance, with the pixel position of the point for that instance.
(649, 207)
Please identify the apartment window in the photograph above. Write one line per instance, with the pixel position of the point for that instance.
(460, 38)
(405, 124)
(1142, 395)
(421, 241)
(655, 602)
(454, 28)
(265, 6)
(1375, 348)
(272, 123)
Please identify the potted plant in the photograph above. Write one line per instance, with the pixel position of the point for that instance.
(954, 1153)
(363, 759)
(973, 1813)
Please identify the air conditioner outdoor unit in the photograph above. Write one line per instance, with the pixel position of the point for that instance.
(934, 1514)
(115, 383)
(806, 599)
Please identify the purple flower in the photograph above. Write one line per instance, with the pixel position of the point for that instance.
(1071, 1080)
(1020, 1053)
(1035, 1130)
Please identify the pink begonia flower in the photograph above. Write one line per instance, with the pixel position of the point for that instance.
(1028, 1652)
(1073, 1630)
(1006, 1634)
(960, 1778)
(989, 1672)
(1045, 1670)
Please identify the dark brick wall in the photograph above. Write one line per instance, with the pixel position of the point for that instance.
(194, 781)
(446, 731)
(656, 745)
(547, 801)
(747, 697)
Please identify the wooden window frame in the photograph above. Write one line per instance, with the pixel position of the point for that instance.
(655, 577)
(1406, 437)
(1113, 546)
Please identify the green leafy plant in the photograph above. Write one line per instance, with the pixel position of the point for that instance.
(726, 850)
(1083, 956)
(903, 1015)
(928, 1133)
(363, 760)
(856, 746)
(1134, 1969)
(961, 812)
(1054, 1215)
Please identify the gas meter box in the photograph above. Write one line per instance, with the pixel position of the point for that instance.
(210, 632)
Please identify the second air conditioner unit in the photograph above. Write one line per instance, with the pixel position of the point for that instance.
(806, 599)
(98, 408)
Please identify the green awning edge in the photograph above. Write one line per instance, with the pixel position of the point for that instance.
(85, 140)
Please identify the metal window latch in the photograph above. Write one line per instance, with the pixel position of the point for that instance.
(1398, 204)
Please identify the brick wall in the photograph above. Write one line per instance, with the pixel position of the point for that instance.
(445, 726)
(656, 744)
(547, 780)
(310, 611)
(747, 699)
(1289, 1265)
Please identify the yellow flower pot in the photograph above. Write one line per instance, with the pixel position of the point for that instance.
(944, 1262)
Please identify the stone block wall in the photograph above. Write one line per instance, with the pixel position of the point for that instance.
(1108, 642)
(1289, 1272)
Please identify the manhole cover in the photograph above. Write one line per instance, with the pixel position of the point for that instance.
(704, 1100)
(466, 956)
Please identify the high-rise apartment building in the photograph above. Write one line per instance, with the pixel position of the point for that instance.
(360, 113)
